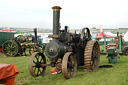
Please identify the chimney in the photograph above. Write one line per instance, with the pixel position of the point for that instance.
(56, 18)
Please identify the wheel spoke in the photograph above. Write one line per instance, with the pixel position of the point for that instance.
(34, 66)
(11, 45)
(41, 59)
(8, 44)
(36, 58)
(34, 69)
(14, 47)
(34, 61)
(39, 70)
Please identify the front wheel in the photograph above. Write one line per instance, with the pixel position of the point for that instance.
(33, 49)
(69, 65)
(35, 64)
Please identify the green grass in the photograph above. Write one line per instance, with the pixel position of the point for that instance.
(101, 47)
(117, 75)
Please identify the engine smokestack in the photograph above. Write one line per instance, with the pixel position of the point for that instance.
(56, 18)
(35, 33)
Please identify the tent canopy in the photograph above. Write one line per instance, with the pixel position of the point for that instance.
(19, 32)
(6, 30)
(101, 35)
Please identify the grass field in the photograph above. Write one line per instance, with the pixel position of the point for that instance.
(117, 75)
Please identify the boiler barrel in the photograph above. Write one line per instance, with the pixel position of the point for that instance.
(56, 18)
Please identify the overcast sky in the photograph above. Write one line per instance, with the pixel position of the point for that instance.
(75, 13)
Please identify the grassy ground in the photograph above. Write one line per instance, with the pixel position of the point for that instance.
(117, 75)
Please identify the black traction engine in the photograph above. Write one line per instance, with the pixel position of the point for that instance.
(66, 51)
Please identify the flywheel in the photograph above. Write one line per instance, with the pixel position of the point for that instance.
(91, 55)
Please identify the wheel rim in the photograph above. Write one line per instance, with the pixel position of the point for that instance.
(69, 65)
(10, 48)
(35, 67)
(34, 49)
(92, 55)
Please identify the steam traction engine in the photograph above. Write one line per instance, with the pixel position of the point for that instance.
(66, 51)
(18, 45)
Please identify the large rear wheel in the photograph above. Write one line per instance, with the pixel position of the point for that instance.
(10, 48)
(91, 55)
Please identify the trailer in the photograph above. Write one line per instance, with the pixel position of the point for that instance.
(118, 42)
(4, 36)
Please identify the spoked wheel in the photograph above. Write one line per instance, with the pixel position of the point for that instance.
(33, 49)
(69, 65)
(91, 55)
(10, 48)
(35, 64)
